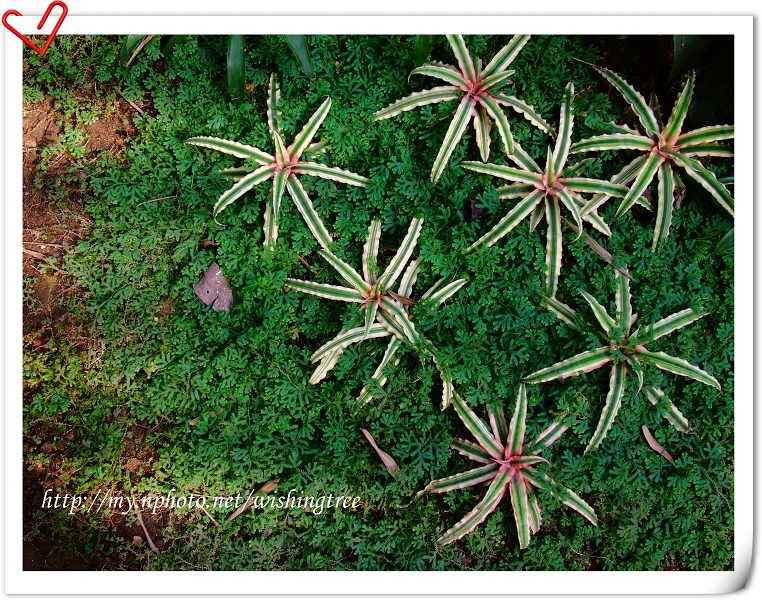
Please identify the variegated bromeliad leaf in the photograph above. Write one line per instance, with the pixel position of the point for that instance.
(626, 352)
(542, 192)
(385, 311)
(480, 92)
(510, 465)
(283, 168)
(662, 150)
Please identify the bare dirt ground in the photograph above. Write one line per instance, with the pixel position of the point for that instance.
(54, 221)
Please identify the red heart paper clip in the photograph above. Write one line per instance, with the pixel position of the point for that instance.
(26, 40)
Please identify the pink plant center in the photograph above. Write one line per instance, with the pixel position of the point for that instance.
(373, 295)
(474, 89)
(549, 186)
(512, 460)
(661, 147)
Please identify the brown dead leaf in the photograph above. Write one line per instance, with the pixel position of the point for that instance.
(265, 489)
(656, 446)
(213, 289)
(388, 461)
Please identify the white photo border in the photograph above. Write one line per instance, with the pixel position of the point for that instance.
(26, 582)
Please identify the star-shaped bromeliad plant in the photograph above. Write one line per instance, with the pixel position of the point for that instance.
(385, 311)
(511, 467)
(625, 351)
(543, 191)
(283, 168)
(481, 99)
(662, 150)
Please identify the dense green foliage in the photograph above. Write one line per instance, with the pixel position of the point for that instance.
(225, 396)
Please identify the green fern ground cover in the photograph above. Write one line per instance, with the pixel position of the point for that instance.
(146, 389)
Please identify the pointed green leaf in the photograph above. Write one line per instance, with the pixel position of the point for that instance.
(346, 272)
(586, 185)
(517, 428)
(571, 499)
(624, 177)
(303, 140)
(509, 221)
(400, 318)
(501, 122)
(452, 136)
(482, 127)
(472, 451)
(272, 210)
(548, 437)
(432, 96)
(623, 301)
(527, 111)
(703, 135)
(644, 178)
(273, 97)
(509, 173)
(514, 190)
(466, 64)
(613, 402)
(564, 312)
(299, 48)
(346, 338)
(311, 218)
(370, 317)
(667, 325)
(707, 179)
(131, 47)
(370, 252)
(494, 82)
(238, 189)
(658, 398)
(408, 278)
(328, 363)
(721, 150)
(378, 376)
(568, 201)
(613, 141)
(520, 502)
(477, 428)
(281, 153)
(422, 48)
(550, 167)
(536, 217)
(679, 112)
(233, 148)
(325, 290)
(403, 254)
(554, 246)
(634, 99)
(565, 125)
(236, 67)
(482, 510)
(443, 293)
(666, 199)
(535, 514)
(332, 173)
(441, 71)
(505, 56)
(583, 362)
(678, 366)
(521, 157)
(465, 479)
(603, 317)
(499, 425)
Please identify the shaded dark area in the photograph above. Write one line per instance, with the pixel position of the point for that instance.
(657, 65)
